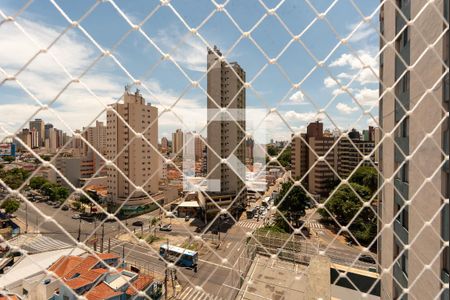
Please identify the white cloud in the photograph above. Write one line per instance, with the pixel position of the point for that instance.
(367, 97)
(303, 117)
(329, 82)
(363, 65)
(295, 99)
(373, 121)
(186, 50)
(345, 108)
(364, 31)
(45, 79)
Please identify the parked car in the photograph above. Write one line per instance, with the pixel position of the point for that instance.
(186, 218)
(65, 207)
(138, 223)
(76, 217)
(166, 227)
(367, 258)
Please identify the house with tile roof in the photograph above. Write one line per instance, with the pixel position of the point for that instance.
(96, 277)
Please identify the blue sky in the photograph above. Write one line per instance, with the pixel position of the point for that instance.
(163, 82)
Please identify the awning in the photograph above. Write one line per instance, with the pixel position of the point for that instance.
(189, 204)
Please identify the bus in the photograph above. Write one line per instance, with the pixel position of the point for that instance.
(181, 256)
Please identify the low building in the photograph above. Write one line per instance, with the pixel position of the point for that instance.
(90, 276)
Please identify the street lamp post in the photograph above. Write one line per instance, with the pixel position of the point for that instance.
(79, 231)
(26, 217)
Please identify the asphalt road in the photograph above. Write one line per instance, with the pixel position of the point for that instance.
(218, 269)
(213, 271)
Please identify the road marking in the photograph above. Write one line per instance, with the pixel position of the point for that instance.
(190, 293)
(249, 224)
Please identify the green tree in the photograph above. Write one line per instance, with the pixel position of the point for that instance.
(14, 178)
(9, 159)
(85, 200)
(61, 193)
(48, 190)
(367, 176)
(37, 182)
(345, 204)
(272, 150)
(10, 205)
(285, 157)
(292, 203)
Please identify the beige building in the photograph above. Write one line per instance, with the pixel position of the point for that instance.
(39, 126)
(351, 151)
(25, 137)
(139, 160)
(177, 142)
(412, 248)
(225, 136)
(96, 137)
(164, 145)
(51, 141)
(306, 150)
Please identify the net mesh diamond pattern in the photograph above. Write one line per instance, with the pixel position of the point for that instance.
(108, 209)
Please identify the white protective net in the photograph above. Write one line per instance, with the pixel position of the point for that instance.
(261, 149)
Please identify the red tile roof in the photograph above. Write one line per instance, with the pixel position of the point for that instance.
(140, 284)
(9, 297)
(64, 265)
(101, 291)
(77, 282)
(77, 272)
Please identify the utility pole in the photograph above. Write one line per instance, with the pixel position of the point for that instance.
(103, 237)
(79, 231)
(26, 217)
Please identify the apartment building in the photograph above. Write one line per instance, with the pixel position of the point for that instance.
(414, 92)
(137, 158)
(39, 126)
(177, 142)
(225, 134)
(318, 176)
(96, 137)
(352, 150)
(164, 145)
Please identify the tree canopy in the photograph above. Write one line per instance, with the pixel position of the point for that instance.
(345, 205)
(14, 178)
(10, 205)
(292, 203)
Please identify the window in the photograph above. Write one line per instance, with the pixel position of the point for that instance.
(404, 128)
(405, 83)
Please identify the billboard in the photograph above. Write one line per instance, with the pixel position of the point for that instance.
(7, 149)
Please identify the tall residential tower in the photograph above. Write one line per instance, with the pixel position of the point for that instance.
(226, 131)
(139, 159)
(413, 112)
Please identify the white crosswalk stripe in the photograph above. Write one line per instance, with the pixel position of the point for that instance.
(190, 293)
(39, 243)
(250, 224)
(314, 224)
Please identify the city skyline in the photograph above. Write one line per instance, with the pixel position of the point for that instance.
(106, 79)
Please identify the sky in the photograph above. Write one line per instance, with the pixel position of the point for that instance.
(293, 58)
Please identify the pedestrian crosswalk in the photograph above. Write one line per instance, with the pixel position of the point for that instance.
(39, 243)
(314, 224)
(191, 293)
(250, 224)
